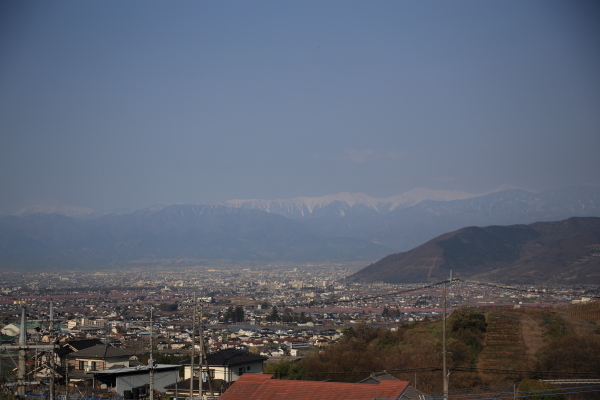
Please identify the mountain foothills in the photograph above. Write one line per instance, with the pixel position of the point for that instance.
(564, 252)
(181, 234)
(408, 220)
(342, 227)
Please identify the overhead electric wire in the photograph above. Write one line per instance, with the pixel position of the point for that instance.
(560, 317)
(371, 297)
(430, 286)
(459, 369)
(461, 392)
(536, 291)
(511, 395)
(405, 370)
(526, 320)
(509, 371)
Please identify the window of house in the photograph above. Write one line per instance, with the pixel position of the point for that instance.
(241, 371)
(82, 364)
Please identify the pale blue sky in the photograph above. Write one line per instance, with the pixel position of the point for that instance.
(125, 104)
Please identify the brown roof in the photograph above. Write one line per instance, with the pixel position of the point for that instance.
(262, 387)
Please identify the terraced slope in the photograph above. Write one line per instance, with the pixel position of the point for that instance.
(504, 348)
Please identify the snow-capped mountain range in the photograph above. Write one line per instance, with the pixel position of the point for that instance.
(300, 207)
(341, 227)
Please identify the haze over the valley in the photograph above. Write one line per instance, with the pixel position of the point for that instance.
(117, 106)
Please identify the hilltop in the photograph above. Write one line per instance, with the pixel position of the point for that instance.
(486, 346)
(564, 252)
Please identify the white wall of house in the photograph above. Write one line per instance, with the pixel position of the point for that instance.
(228, 373)
(92, 364)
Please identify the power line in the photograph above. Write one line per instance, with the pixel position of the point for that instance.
(377, 296)
(527, 318)
(523, 371)
(511, 395)
(536, 291)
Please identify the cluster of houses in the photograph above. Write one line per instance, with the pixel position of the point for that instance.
(99, 355)
(171, 337)
(228, 374)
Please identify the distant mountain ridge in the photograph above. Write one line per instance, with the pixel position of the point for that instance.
(563, 252)
(305, 206)
(68, 211)
(185, 234)
(404, 229)
(342, 227)
(408, 220)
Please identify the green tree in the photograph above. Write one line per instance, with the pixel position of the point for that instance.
(238, 314)
(274, 316)
(468, 328)
(305, 318)
(571, 353)
(234, 314)
(285, 369)
(167, 307)
(229, 314)
(541, 390)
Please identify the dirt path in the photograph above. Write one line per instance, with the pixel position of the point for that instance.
(533, 338)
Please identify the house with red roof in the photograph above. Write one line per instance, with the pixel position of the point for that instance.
(264, 387)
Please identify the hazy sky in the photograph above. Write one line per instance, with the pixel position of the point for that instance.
(126, 104)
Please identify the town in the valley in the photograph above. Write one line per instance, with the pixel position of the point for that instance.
(139, 333)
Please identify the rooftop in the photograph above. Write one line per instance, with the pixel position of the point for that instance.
(229, 357)
(263, 387)
(101, 351)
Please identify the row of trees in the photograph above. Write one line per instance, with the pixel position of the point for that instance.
(237, 315)
(391, 312)
(288, 315)
(234, 314)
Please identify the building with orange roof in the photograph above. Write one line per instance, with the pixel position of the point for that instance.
(263, 387)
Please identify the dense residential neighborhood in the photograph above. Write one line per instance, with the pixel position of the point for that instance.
(222, 324)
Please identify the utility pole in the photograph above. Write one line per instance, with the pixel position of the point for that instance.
(444, 361)
(22, 350)
(151, 359)
(51, 337)
(22, 347)
(67, 381)
(203, 348)
(193, 350)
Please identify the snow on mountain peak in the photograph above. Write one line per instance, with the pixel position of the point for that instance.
(301, 206)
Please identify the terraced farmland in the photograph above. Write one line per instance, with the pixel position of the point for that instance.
(503, 350)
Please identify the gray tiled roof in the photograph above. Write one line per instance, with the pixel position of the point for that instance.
(185, 385)
(377, 377)
(413, 394)
(102, 351)
(76, 345)
(229, 357)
